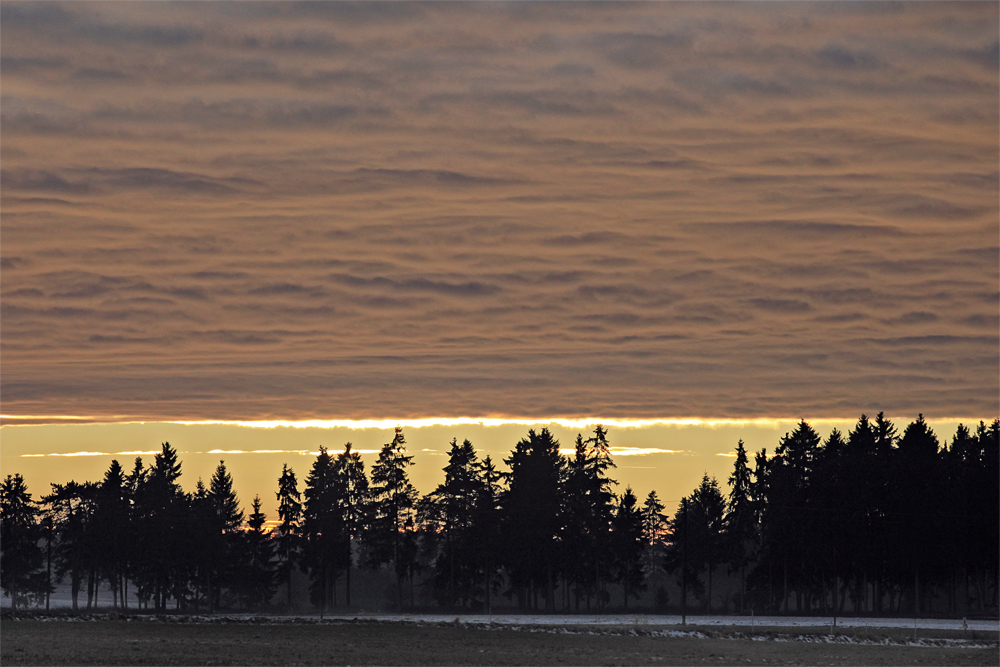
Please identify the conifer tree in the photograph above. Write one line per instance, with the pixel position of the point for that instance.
(391, 531)
(112, 527)
(655, 526)
(259, 577)
(352, 494)
(21, 575)
(227, 519)
(487, 525)
(628, 541)
(73, 507)
(531, 517)
(323, 529)
(161, 508)
(289, 530)
(708, 499)
(740, 521)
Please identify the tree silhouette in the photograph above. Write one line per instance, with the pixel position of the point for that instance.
(227, 519)
(741, 527)
(21, 559)
(323, 529)
(449, 512)
(288, 532)
(885, 522)
(258, 577)
(392, 522)
(352, 496)
(655, 527)
(73, 507)
(531, 517)
(112, 529)
(628, 542)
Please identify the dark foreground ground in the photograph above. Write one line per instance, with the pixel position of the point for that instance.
(147, 642)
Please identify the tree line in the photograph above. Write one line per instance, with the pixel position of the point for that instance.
(872, 521)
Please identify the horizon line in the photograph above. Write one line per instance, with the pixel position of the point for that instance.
(385, 424)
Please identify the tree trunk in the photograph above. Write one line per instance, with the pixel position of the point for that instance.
(708, 599)
(347, 581)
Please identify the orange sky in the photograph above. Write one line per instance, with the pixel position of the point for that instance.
(667, 458)
(249, 211)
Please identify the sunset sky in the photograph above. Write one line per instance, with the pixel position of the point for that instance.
(244, 212)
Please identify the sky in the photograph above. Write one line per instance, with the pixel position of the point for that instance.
(245, 212)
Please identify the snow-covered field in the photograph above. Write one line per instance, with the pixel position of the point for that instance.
(61, 600)
(646, 621)
(663, 621)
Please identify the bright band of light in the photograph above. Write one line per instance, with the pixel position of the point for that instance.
(385, 424)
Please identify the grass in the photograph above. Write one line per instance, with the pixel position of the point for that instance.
(146, 642)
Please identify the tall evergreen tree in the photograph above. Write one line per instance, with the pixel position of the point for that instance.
(21, 575)
(323, 529)
(73, 507)
(161, 507)
(531, 517)
(112, 527)
(258, 578)
(227, 520)
(487, 524)
(655, 527)
(451, 511)
(708, 498)
(289, 530)
(352, 494)
(628, 542)
(741, 519)
(391, 532)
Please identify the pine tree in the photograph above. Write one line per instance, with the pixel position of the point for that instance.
(531, 517)
(600, 508)
(487, 525)
(391, 531)
(655, 526)
(259, 577)
(708, 498)
(73, 507)
(227, 521)
(451, 511)
(323, 529)
(629, 542)
(740, 521)
(161, 510)
(289, 530)
(21, 575)
(352, 494)
(112, 527)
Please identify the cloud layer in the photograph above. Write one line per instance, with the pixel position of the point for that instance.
(312, 211)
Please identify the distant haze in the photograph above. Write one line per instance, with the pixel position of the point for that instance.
(257, 211)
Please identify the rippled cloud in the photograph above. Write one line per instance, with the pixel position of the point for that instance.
(259, 211)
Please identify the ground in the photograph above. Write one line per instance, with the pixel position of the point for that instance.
(180, 641)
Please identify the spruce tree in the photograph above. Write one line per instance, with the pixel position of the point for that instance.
(21, 558)
(628, 541)
(323, 529)
(352, 495)
(655, 526)
(227, 519)
(391, 531)
(73, 507)
(531, 517)
(289, 530)
(259, 576)
(112, 526)
(740, 521)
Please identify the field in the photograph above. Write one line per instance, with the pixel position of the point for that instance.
(145, 641)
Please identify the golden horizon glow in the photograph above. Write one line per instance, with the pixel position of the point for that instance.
(385, 424)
